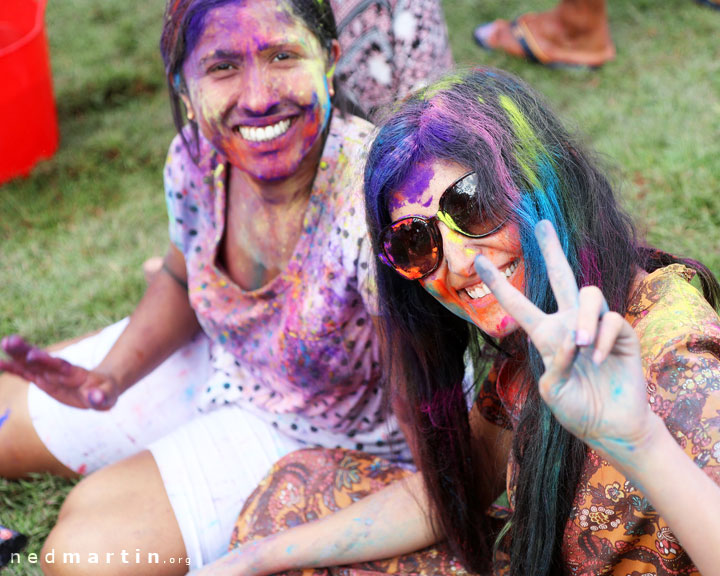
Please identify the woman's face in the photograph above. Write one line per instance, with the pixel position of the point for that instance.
(259, 84)
(455, 284)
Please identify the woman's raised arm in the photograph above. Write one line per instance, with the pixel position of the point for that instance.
(595, 386)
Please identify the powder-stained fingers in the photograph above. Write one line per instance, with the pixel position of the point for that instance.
(39, 357)
(15, 347)
(18, 369)
(510, 298)
(612, 327)
(559, 272)
(551, 383)
(592, 305)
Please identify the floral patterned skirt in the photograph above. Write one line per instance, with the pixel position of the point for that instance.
(309, 484)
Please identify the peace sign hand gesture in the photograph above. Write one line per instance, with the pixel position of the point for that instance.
(593, 381)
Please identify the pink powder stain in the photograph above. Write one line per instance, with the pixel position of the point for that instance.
(503, 324)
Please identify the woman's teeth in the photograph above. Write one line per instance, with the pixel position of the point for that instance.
(480, 290)
(264, 133)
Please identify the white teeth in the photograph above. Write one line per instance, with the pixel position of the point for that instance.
(480, 290)
(263, 134)
(510, 269)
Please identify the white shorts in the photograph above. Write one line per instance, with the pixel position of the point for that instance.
(210, 463)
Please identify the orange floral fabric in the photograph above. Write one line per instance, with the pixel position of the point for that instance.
(613, 529)
(312, 483)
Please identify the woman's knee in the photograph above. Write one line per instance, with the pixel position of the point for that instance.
(117, 521)
(21, 450)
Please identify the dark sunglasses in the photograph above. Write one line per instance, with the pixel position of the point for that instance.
(412, 246)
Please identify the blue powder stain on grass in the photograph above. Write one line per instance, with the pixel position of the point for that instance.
(4, 417)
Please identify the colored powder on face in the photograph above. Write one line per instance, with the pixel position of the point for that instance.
(414, 187)
(4, 417)
(440, 292)
(504, 323)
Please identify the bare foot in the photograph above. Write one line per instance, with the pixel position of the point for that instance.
(551, 38)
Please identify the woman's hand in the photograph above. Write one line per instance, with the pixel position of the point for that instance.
(63, 381)
(593, 380)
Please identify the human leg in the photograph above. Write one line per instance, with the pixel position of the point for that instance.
(21, 450)
(117, 521)
(178, 500)
(575, 33)
(87, 440)
(209, 467)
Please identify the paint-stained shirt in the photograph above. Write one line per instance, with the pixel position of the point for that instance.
(301, 351)
(613, 529)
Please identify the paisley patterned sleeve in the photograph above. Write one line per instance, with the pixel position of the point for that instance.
(680, 338)
(613, 527)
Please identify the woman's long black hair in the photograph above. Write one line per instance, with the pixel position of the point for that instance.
(491, 122)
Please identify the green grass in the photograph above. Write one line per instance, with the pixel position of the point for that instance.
(74, 234)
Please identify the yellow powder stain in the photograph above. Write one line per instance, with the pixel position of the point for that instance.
(528, 147)
(444, 84)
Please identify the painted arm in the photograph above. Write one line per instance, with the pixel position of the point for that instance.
(162, 322)
(389, 523)
(595, 386)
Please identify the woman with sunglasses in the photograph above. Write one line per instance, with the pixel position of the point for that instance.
(591, 441)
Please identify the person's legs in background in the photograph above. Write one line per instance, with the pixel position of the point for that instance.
(575, 33)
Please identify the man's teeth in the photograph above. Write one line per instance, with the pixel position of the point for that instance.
(264, 133)
(480, 290)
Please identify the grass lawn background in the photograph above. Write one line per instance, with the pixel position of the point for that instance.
(74, 234)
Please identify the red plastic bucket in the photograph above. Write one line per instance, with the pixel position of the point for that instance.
(28, 120)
